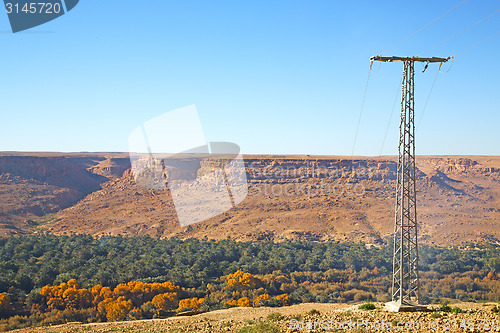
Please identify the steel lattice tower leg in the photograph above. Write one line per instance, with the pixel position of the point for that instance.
(405, 279)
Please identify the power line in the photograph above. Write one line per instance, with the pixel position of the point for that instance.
(427, 101)
(360, 114)
(466, 49)
(390, 118)
(447, 39)
(416, 32)
(470, 47)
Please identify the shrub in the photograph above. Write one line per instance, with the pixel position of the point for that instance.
(456, 309)
(275, 316)
(367, 306)
(314, 312)
(444, 307)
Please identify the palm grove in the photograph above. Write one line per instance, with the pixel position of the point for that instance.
(47, 279)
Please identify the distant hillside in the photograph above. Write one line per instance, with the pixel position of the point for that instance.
(33, 185)
(290, 197)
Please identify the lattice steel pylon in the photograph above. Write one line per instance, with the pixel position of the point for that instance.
(405, 277)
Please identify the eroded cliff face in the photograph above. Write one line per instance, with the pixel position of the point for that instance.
(33, 186)
(289, 197)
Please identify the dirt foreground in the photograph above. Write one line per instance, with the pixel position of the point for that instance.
(476, 317)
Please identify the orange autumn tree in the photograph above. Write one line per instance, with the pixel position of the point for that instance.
(140, 292)
(241, 280)
(165, 302)
(112, 304)
(284, 299)
(5, 304)
(242, 302)
(191, 303)
(115, 309)
(67, 295)
(116, 305)
(259, 299)
(100, 293)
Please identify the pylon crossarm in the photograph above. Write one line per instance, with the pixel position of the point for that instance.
(419, 59)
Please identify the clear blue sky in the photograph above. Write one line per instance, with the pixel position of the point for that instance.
(278, 77)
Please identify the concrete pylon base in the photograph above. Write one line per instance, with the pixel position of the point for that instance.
(405, 306)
